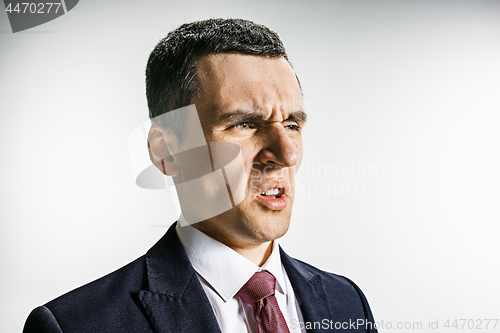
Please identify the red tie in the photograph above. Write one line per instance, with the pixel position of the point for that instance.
(259, 292)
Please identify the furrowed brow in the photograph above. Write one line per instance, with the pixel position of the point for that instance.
(239, 117)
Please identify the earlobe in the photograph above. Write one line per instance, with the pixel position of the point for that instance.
(159, 151)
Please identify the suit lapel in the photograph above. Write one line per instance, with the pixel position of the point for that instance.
(175, 300)
(309, 291)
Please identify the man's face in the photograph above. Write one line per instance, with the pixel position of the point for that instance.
(255, 102)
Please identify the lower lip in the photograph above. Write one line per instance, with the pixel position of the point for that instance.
(274, 203)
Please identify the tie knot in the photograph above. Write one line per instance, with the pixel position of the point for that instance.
(260, 285)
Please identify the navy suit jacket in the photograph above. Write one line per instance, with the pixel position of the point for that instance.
(160, 292)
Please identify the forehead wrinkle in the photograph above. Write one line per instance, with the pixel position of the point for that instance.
(237, 114)
(262, 106)
(242, 115)
(276, 103)
(273, 102)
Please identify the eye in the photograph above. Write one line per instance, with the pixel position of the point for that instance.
(293, 127)
(243, 126)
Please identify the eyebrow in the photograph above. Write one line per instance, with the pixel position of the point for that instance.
(298, 116)
(239, 116)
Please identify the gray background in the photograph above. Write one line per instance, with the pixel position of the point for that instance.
(407, 91)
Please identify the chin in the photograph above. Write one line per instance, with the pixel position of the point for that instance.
(252, 223)
(268, 228)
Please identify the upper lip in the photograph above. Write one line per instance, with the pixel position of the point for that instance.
(275, 183)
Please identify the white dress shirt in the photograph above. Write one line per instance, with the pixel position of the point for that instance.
(222, 272)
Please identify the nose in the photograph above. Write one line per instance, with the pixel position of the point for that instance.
(280, 148)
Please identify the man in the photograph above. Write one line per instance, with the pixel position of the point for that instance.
(224, 272)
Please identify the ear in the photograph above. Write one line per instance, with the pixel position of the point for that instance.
(159, 152)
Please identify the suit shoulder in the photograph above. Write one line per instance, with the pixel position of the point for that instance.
(107, 304)
(129, 277)
(41, 319)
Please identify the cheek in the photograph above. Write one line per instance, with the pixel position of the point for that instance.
(300, 153)
(250, 153)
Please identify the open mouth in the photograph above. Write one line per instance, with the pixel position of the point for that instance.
(272, 193)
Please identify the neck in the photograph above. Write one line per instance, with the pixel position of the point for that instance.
(256, 253)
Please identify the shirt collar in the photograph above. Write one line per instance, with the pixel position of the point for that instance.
(225, 270)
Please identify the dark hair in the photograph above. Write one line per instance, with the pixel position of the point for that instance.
(171, 80)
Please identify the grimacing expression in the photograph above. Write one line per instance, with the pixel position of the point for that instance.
(255, 102)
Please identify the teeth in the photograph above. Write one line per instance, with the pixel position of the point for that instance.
(272, 191)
